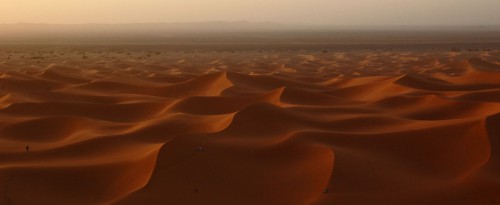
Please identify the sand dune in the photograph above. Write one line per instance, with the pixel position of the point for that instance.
(124, 127)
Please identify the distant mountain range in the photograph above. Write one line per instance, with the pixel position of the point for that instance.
(218, 26)
(239, 31)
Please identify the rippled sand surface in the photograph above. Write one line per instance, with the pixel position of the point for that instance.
(301, 127)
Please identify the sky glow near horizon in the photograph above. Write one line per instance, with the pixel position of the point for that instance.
(333, 12)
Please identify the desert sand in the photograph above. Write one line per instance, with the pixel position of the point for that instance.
(118, 126)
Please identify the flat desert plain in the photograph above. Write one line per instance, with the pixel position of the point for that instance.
(139, 126)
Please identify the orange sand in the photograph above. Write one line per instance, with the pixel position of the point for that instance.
(138, 127)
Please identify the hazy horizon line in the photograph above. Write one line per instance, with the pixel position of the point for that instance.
(247, 22)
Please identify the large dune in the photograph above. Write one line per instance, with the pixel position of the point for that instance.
(289, 127)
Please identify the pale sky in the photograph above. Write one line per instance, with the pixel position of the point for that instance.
(334, 12)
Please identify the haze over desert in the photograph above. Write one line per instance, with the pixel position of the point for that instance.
(137, 125)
